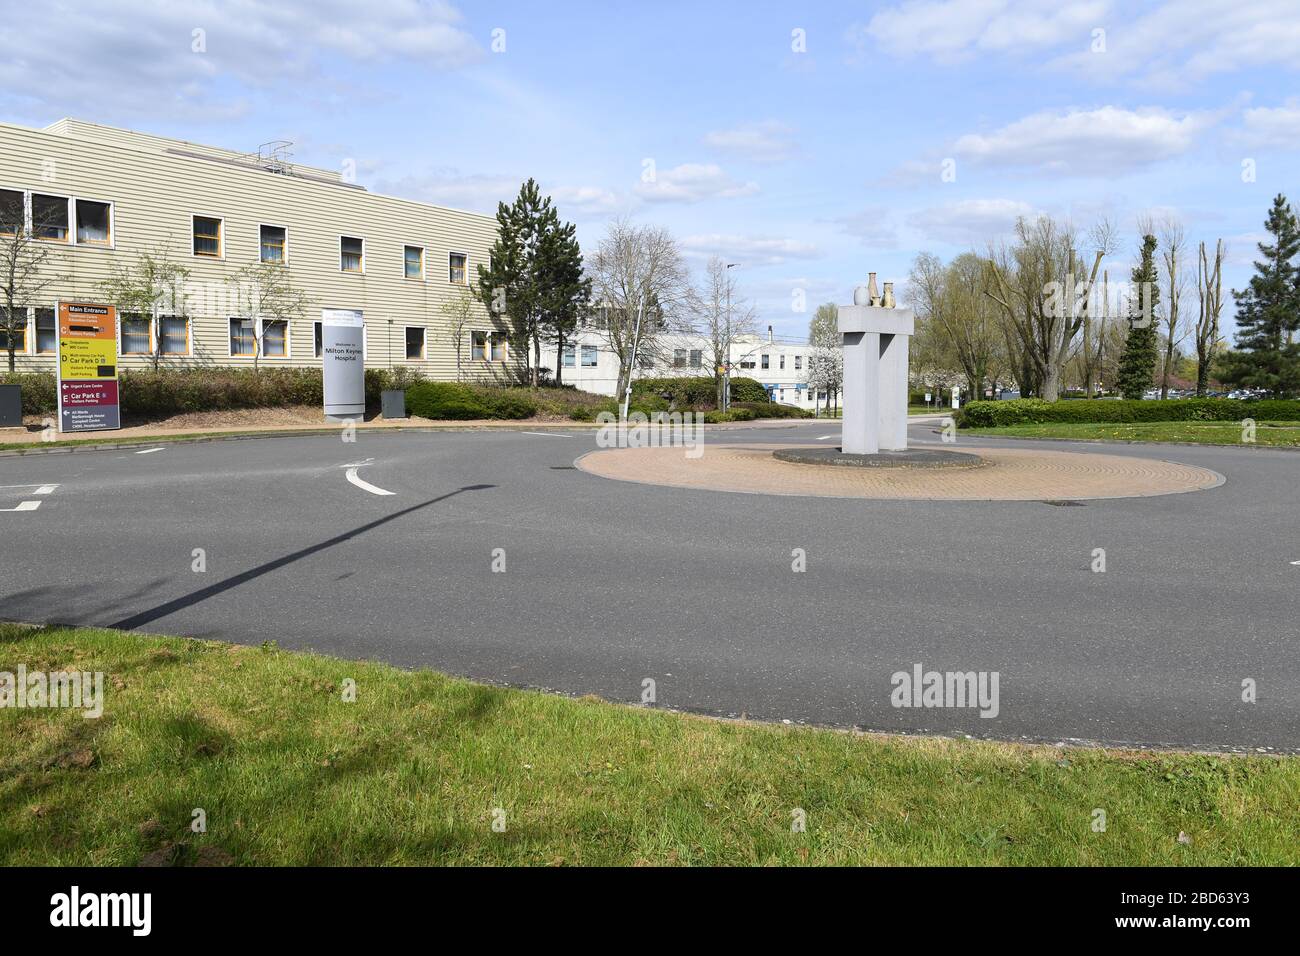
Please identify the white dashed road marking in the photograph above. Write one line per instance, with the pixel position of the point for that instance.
(548, 434)
(24, 506)
(148, 451)
(824, 437)
(36, 490)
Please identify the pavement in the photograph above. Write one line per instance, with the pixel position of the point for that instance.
(384, 549)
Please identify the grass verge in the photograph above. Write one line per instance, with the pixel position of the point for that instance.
(1277, 434)
(287, 772)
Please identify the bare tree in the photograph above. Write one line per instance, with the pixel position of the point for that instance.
(152, 288)
(724, 317)
(1209, 287)
(459, 313)
(264, 294)
(25, 271)
(1041, 287)
(1174, 242)
(641, 289)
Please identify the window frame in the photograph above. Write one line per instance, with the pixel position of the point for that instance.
(464, 269)
(424, 342)
(25, 196)
(230, 342)
(28, 319)
(70, 226)
(122, 319)
(582, 359)
(487, 350)
(260, 340)
(221, 237)
(189, 335)
(284, 252)
(352, 272)
(406, 247)
(34, 323)
(75, 226)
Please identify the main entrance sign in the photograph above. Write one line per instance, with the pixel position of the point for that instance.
(88, 392)
(343, 362)
(875, 337)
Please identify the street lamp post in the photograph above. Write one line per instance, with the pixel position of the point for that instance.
(726, 362)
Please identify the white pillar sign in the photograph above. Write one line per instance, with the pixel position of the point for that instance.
(875, 372)
(343, 363)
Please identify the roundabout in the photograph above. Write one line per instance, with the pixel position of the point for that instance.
(982, 474)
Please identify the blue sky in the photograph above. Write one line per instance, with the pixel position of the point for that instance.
(806, 142)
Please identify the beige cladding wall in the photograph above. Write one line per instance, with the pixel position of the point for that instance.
(154, 195)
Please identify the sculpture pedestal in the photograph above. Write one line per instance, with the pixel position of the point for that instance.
(875, 377)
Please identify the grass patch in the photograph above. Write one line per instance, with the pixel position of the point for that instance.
(1278, 434)
(290, 774)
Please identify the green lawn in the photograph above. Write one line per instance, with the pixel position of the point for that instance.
(1209, 433)
(287, 772)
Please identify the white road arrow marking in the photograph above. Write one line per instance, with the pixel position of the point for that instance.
(352, 477)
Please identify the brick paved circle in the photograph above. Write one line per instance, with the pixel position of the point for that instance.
(1012, 474)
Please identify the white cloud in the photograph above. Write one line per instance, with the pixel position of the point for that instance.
(1103, 141)
(749, 250)
(588, 200)
(1166, 45)
(970, 221)
(874, 226)
(98, 57)
(692, 182)
(768, 141)
(1273, 128)
(953, 29)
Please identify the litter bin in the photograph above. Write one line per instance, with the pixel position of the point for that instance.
(11, 406)
(393, 402)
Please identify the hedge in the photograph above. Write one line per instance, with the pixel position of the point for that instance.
(456, 402)
(772, 410)
(695, 391)
(1034, 411)
(150, 394)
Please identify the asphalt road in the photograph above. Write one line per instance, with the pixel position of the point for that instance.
(609, 583)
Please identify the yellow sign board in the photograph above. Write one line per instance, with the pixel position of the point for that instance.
(88, 396)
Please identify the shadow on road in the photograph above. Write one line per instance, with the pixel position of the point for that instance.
(189, 600)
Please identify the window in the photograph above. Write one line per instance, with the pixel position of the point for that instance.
(317, 337)
(781, 362)
(414, 342)
(568, 357)
(47, 332)
(679, 358)
(478, 346)
(414, 262)
(697, 358)
(456, 268)
(94, 223)
(590, 355)
(173, 335)
(798, 362)
(50, 218)
(242, 339)
(747, 363)
(207, 237)
(273, 244)
(767, 363)
(275, 338)
(12, 208)
(498, 346)
(352, 254)
(135, 335)
(19, 326)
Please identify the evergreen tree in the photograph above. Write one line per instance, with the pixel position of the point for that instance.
(1137, 365)
(535, 278)
(1268, 312)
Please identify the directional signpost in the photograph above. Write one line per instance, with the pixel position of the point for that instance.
(88, 395)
